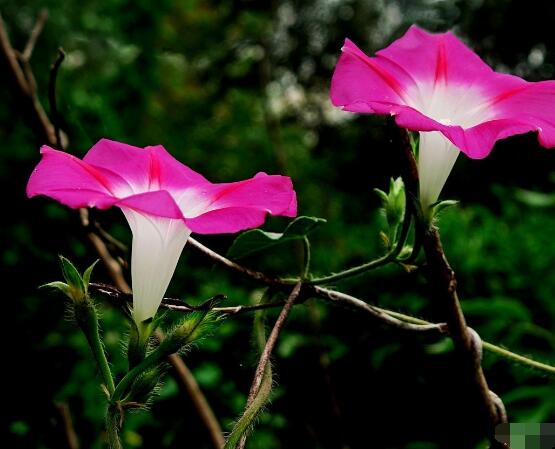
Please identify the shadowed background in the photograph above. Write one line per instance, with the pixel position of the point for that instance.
(232, 88)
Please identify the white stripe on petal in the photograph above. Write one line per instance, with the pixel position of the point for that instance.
(157, 245)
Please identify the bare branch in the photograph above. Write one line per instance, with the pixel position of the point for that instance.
(349, 301)
(253, 274)
(442, 278)
(54, 116)
(199, 401)
(35, 33)
(270, 343)
(64, 416)
(267, 352)
(30, 104)
(48, 133)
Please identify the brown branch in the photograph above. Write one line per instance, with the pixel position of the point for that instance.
(50, 134)
(332, 296)
(199, 401)
(270, 343)
(442, 278)
(267, 352)
(29, 104)
(54, 115)
(253, 274)
(113, 267)
(443, 281)
(64, 417)
(35, 33)
(352, 302)
(178, 305)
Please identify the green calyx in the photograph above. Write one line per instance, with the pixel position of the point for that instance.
(76, 285)
(429, 216)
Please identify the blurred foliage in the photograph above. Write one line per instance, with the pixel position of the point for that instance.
(235, 87)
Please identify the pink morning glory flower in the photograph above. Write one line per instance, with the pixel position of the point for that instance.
(163, 201)
(434, 84)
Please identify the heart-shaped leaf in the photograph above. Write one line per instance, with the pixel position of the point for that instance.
(257, 240)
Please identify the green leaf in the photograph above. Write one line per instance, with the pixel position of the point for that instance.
(440, 206)
(62, 286)
(87, 274)
(257, 240)
(71, 275)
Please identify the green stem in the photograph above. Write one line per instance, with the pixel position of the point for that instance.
(502, 352)
(154, 358)
(262, 394)
(306, 245)
(112, 430)
(85, 315)
(391, 256)
(517, 357)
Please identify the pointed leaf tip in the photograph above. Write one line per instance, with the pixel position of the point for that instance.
(71, 275)
(256, 240)
(87, 275)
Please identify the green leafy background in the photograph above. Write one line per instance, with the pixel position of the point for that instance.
(235, 87)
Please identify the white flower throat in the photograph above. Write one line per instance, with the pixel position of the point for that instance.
(455, 105)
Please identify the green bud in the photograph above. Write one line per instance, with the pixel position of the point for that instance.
(75, 286)
(139, 338)
(145, 385)
(192, 328)
(393, 204)
(77, 290)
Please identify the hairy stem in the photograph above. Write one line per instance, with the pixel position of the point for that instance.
(87, 319)
(113, 429)
(262, 382)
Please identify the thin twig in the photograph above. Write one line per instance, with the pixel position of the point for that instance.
(54, 115)
(327, 294)
(332, 296)
(267, 352)
(352, 302)
(35, 33)
(113, 267)
(70, 436)
(270, 343)
(336, 298)
(253, 274)
(30, 103)
(199, 401)
(47, 133)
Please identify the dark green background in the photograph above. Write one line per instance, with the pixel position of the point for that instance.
(234, 87)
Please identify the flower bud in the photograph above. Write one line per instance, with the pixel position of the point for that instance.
(393, 204)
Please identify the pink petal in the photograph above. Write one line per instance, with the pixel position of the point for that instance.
(433, 82)
(159, 203)
(70, 181)
(144, 169)
(227, 220)
(76, 184)
(435, 57)
(230, 207)
(359, 80)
